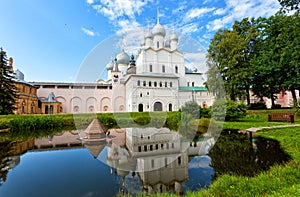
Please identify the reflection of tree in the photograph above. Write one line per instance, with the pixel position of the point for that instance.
(233, 154)
(4, 160)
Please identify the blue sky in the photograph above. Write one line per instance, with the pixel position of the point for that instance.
(56, 40)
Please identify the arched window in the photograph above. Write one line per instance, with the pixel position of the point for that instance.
(149, 83)
(155, 83)
(193, 84)
(176, 69)
(138, 83)
(160, 84)
(144, 83)
(171, 84)
(166, 84)
(170, 107)
(91, 108)
(158, 106)
(157, 44)
(163, 68)
(141, 108)
(150, 68)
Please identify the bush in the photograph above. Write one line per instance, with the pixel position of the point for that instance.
(234, 110)
(257, 106)
(228, 110)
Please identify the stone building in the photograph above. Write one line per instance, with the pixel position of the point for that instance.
(156, 79)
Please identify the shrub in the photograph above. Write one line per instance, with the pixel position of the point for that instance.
(234, 110)
(257, 106)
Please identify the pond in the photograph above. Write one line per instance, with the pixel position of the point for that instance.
(131, 160)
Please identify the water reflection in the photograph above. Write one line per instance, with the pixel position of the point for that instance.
(234, 154)
(148, 160)
(159, 156)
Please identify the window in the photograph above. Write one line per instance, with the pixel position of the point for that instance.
(193, 84)
(176, 69)
(150, 68)
(166, 84)
(163, 68)
(188, 83)
(155, 84)
(179, 160)
(138, 83)
(170, 84)
(149, 83)
(141, 95)
(152, 163)
(170, 107)
(144, 83)
(160, 84)
(140, 149)
(157, 44)
(145, 148)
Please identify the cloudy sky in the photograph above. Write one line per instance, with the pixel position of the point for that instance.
(52, 40)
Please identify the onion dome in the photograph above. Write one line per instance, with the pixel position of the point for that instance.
(174, 37)
(148, 35)
(158, 29)
(19, 75)
(167, 44)
(123, 58)
(110, 65)
(51, 97)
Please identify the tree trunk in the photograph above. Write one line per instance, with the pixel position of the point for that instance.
(248, 95)
(273, 100)
(295, 102)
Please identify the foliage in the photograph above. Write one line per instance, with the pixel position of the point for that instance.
(229, 54)
(234, 110)
(257, 106)
(277, 56)
(8, 91)
(191, 108)
(289, 5)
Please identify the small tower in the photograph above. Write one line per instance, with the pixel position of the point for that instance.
(173, 40)
(110, 66)
(148, 37)
(159, 33)
(131, 69)
(115, 73)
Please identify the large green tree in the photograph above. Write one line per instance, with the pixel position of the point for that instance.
(277, 56)
(8, 92)
(229, 54)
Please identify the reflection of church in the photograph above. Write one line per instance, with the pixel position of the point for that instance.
(159, 156)
(156, 79)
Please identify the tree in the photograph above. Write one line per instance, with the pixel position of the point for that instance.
(8, 91)
(289, 5)
(276, 60)
(229, 53)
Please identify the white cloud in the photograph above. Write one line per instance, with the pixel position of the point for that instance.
(90, 1)
(235, 10)
(220, 11)
(88, 32)
(114, 9)
(197, 12)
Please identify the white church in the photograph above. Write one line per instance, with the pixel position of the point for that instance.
(156, 79)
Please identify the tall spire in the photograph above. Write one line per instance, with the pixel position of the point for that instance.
(157, 16)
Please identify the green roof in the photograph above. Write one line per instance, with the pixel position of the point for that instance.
(199, 88)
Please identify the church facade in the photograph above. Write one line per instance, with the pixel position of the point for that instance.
(156, 79)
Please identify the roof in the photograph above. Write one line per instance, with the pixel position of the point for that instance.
(195, 88)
